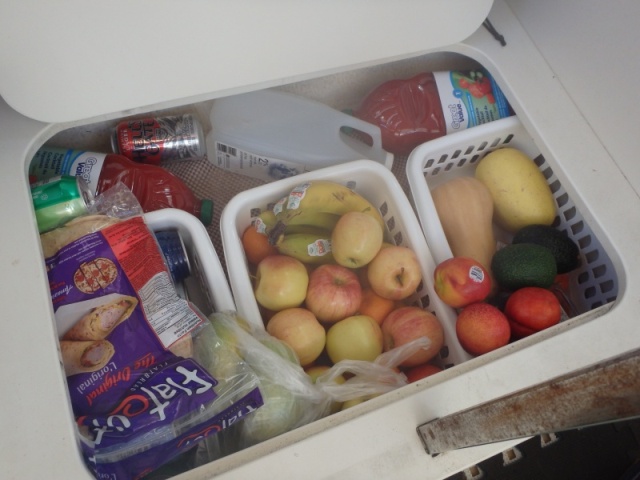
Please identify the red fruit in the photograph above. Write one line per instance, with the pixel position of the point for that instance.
(481, 328)
(520, 331)
(405, 324)
(460, 281)
(421, 371)
(531, 309)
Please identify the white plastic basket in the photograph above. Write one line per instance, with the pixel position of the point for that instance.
(380, 187)
(207, 285)
(593, 284)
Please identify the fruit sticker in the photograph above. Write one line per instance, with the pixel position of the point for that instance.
(296, 195)
(476, 274)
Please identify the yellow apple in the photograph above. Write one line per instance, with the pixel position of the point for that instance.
(394, 273)
(300, 329)
(356, 239)
(281, 282)
(358, 337)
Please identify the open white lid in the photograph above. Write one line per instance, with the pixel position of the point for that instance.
(71, 60)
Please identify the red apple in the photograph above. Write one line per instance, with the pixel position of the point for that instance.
(459, 281)
(531, 309)
(281, 282)
(408, 323)
(481, 328)
(333, 293)
(299, 328)
(421, 371)
(355, 338)
(394, 272)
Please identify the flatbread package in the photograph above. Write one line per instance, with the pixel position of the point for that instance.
(127, 341)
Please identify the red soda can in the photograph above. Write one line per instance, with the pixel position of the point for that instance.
(160, 139)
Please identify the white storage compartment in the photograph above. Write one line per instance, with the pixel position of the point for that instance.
(401, 195)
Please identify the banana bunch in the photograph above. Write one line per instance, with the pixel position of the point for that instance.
(300, 224)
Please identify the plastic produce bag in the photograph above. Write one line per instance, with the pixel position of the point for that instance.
(290, 398)
(147, 374)
(369, 379)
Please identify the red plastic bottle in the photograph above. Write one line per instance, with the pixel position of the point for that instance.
(153, 186)
(430, 105)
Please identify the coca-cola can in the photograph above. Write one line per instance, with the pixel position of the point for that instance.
(160, 139)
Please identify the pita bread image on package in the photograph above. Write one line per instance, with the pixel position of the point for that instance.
(100, 321)
(85, 356)
(54, 240)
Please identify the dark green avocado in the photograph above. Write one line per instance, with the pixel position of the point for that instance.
(564, 249)
(521, 265)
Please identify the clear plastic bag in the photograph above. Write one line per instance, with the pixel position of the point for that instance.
(369, 379)
(290, 397)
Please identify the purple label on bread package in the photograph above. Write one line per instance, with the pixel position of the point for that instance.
(161, 394)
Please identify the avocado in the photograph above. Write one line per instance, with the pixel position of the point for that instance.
(524, 265)
(564, 249)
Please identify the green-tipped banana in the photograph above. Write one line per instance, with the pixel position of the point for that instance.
(309, 248)
(310, 199)
(313, 219)
(312, 229)
(265, 221)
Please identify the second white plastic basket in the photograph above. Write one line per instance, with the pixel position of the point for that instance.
(211, 287)
(593, 284)
(380, 187)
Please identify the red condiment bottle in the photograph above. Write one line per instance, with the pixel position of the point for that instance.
(153, 186)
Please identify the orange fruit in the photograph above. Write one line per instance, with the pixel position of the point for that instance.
(375, 306)
(256, 245)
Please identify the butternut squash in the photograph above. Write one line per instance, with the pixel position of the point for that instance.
(465, 208)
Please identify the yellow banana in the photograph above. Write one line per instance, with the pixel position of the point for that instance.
(312, 229)
(320, 196)
(314, 219)
(318, 223)
(309, 248)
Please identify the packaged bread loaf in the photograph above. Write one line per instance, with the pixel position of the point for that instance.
(140, 395)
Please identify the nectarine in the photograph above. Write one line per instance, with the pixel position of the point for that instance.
(481, 328)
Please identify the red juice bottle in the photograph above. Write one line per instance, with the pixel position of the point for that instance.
(153, 186)
(429, 105)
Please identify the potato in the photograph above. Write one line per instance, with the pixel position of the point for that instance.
(521, 195)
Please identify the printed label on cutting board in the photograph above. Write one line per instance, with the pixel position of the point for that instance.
(253, 165)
